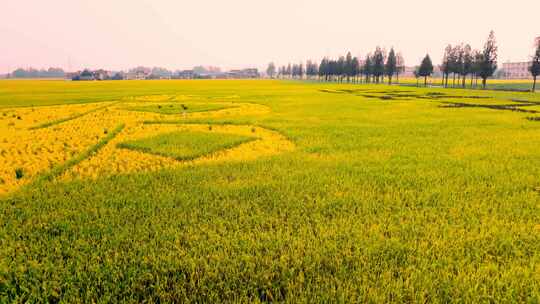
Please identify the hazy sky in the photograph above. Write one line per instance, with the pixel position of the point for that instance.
(176, 34)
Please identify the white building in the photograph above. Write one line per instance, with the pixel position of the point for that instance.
(518, 70)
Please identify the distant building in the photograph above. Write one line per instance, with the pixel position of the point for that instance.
(243, 74)
(85, 75)
(138, 73)
(72, 75)
(408, 72)
(160, 73)
(185, 74)
(88, 75)
(516, 70)
(102, 75)
(118, 76)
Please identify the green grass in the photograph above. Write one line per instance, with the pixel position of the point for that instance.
(186, 145)
(397, 200)
(176, 108)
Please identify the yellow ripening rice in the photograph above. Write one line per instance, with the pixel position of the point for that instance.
(27, 152)
(28, 117)
(112, 160)
(35, 139)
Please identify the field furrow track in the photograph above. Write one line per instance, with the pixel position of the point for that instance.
(71, 117)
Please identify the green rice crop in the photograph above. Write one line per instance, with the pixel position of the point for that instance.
(186, 145)
(384, 200)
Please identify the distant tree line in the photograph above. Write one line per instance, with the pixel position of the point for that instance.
(459, 62)
(35, 73)
(299, 71)
(374, 68)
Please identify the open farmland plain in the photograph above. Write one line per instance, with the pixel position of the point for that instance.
(247, 191)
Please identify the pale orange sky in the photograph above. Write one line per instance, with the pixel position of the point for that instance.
(119, 34)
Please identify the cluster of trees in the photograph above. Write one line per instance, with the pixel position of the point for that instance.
(374, 68)
(344, 68)
(35, 73)
(379, 64)
(461, 60)
(297, 71)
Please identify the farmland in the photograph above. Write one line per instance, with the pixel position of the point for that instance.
(246, 191)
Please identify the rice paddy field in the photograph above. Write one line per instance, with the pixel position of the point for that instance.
(267, 191)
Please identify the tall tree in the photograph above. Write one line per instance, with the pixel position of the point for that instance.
(446, 65)
(367, 69)
(355, 69)
(458, 63)
(477, 59)
(271, 70)
(311, 69)
(426, 68)
(348, 66)
(332, 69)
(535, 65)
(400, 65)
(467, 63)
(288, 70)
(416, 74)
(488, 64)
(391, 65)
(340, 68)
(323, 69)
(378, 64)
(453, 61)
